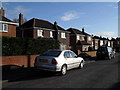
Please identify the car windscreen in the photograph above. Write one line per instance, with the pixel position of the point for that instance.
(102, 49)
(51, 53)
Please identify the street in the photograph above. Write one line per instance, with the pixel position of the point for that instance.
(95, 74)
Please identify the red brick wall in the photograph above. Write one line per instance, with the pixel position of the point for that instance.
(18, 60)
(11, 31)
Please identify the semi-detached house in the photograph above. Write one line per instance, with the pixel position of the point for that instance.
(79, 40)
(7, 26)
(35, 28)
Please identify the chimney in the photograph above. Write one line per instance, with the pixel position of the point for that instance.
(20, 19)
(2, 12)
(83, 30)
(55, 23)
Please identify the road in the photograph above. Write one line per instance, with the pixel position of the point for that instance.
(98, 74)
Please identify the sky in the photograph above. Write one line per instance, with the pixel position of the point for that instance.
(97, 18)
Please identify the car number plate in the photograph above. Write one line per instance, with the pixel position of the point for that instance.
(43, 60)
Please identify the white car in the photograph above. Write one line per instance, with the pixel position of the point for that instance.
(58, 60)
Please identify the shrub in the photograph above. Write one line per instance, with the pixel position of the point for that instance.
(23, 46)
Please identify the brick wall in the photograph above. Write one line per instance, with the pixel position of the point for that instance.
(91, 53)
(26, 60)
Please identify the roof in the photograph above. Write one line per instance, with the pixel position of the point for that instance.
(96, 37)
(82, 43)
(40, 23)
(76, 31)
(86, 34)
(6, 19)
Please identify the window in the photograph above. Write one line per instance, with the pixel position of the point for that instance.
(108, 43)
(82, 38)
(96, 47)
(40, 33)
(67, 55)
(109, 49)
(3, 27)
(73, 54)
(78, 38)
(51, 34)
(63, 35)
(96, 41)
(85, 48)
(101, 42)
(92, 43)
(51, 53)
(89, 38)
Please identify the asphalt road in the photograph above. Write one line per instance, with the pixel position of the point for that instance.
(98, 74)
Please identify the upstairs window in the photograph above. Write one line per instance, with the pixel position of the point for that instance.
(78, 37)
(3, 27)
(63, 35)
(89, 38)
(108, 43)
(40, 33)
(96, 41)
(51, 34)
(101, 42)
(82, 38)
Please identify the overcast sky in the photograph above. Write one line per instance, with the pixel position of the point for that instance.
(98, 18)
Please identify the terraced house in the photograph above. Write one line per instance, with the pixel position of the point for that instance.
(7, 26)
(37, 28)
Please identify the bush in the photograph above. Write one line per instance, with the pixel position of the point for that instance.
(90, 48)
(24, 46)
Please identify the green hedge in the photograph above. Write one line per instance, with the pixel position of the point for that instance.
(23, 46)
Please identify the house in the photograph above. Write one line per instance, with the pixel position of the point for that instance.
(95, 43)
(118, 44)
(37, 28)
(115, 42)
(105, 41)
(88, 37)
(7, 26)
(79, 40)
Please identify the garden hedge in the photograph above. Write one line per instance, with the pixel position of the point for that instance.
(12, 46)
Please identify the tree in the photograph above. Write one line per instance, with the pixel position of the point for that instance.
(17, 20)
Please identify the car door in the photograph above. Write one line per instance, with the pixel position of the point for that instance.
(68, 60)
(75, 59)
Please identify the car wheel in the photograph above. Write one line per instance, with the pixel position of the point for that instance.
(81, 65)
(113, 56)
(63, 70)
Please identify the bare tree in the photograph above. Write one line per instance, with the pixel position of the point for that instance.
(17, 20)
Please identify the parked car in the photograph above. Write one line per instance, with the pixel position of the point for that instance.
(105, 52)
(58, 61)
